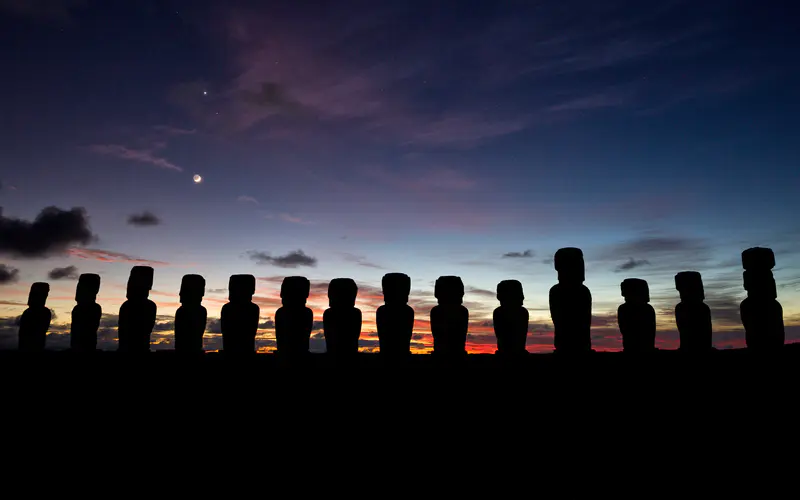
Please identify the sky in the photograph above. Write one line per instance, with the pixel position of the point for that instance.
(357, 138)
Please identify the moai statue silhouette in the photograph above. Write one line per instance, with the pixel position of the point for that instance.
(692, 315)
(191, 316)
(395, 318)
(293, 320)
(35, 321)
(137, 315)
(240, 316)
(636, 317)
(86, 314)
(342, 320)
(762, 314)
(449, 319)
(571, 303)
(510, 319)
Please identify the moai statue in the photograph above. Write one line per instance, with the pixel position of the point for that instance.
(762, 314)
(692, 315)
(510, 319)
(35, 321)
(240, 316)
(86, 314)
(395, 319)
(293, 320)
(342, 320)
(636, 317)
(571, 303)
(190, 318)
(137, 315)
(449, 319)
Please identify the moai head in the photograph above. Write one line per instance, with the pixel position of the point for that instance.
(449, 290)
(635, 290)
(760, 285)
(569, 264)
(193, 287)
(396, 288)
(690, 286)
(241, 287)
(87, 289)
(295, 290)
(509, 293)
(140, 282)
(38, 294)
(342, 292)
(758, 259)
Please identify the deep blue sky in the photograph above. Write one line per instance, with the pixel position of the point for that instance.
(427, 139)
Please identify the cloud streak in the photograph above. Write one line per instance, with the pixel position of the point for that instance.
(112, 257)
(138, 155)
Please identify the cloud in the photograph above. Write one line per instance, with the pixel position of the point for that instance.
(109, 256)
(144, 219)
(52, 232)
(657, 245)
(288, 218)
(8, 274)
(631, 264)
(63, 273)
(361, 261)
(527, 254)
(296, 258)
(140, 155)
(169, 130)
(247, 199)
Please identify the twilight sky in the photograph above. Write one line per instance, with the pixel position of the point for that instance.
(356, 138)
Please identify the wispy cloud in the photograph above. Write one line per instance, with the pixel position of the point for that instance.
(112, 257)
(288, 218)
(140, 155)
(632, 264)
(361, 261)
(169, 130)
(247, 199)
(527, 254)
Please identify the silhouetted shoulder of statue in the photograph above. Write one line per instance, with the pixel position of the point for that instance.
(571, 303)
(762, 314)
(636, 317)
(293, 320)
(239, 317)
(692, 315)
(510, 319)
(86, 314)
(191, 316)
(342, 320)
(395, 319)
(449, 319)
(137, 315)
(35, 320)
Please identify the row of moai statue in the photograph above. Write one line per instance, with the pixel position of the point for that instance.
(570, 308)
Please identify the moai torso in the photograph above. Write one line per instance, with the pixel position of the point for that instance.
(342, 320)
(571, 304)
(191, 316)
(137, 315)
(35, 320)
(692, 315)
(510, 319)
(293, 320)
(762, 314)
(395, 318)
(239, 317)
(449, 319)
(636, 318)
(86, 314)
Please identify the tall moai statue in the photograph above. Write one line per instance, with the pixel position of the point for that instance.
(692, 315)
(395, 318)
(239, 317)
(636, 317)
(510, 319)
(762, 314)
(293, 320)
(449, 319)
(137, 315)
(191, 316)
(86, 314)
(571, 303)
(342, 320)
(35, 321)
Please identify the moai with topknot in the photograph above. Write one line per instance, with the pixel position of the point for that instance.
(137, 315)
(191, 316)
(342, 320)
(86, 314)
(395, 318)
(571, 303)
(239, 317)
(35, 321)
(636, 317)
(449, 319)
(762, 314)
(692, 315)
(510, 319)
(293, 320)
